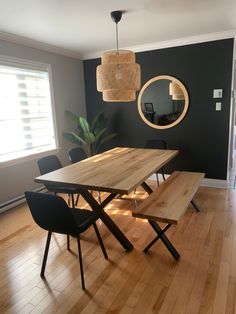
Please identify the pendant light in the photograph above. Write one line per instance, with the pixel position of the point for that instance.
(176, 92)
(118, 77)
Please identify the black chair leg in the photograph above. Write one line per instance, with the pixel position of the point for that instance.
(46, 253)
(163, 176)
(81, 263)
(77, 200)
(158, 183)
(68, 242)
(70, 196)
(100, 241)
(72, 200)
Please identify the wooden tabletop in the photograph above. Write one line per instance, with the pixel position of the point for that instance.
(119, 170)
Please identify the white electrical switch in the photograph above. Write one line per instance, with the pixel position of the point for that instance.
(218, 106)
(217, 93)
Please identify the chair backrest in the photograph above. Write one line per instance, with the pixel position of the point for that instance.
(161, 144)
(76, 154)
(48, 164)
(51, 213)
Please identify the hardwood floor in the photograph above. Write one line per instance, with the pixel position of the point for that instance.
(202, 281)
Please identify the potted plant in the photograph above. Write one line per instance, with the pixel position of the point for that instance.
(89, 137)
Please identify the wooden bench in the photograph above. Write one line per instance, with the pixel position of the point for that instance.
(168, 204)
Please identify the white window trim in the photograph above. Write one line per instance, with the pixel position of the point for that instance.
(23, 159)
(33, 65)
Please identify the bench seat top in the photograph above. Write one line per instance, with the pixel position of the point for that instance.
(170, 200)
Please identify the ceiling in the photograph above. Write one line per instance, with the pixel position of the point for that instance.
(85, 27)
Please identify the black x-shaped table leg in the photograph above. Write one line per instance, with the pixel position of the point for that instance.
(99, 209)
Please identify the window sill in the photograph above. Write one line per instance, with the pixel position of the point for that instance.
(30, 157)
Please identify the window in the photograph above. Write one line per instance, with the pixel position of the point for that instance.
(26, 112)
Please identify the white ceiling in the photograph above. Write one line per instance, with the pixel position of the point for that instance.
(85, 27)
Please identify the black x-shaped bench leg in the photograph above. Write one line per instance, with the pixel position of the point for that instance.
(161, 235)
(195, 205)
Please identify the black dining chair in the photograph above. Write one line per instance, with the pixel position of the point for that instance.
(76, 154)
(157, 144)
(52, 213)
(48, 164)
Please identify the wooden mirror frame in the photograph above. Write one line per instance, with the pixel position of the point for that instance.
(186, 98)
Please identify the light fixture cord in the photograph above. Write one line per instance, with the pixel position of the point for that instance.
(117, 44)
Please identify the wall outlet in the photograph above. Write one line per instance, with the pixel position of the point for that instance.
(218, 106)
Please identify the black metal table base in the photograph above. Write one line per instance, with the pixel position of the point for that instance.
(146, 188)
(161, 235)
(99, 208)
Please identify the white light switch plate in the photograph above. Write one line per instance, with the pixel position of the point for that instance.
(217, 93)
(218, 106)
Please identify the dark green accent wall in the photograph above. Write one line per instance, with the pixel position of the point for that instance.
(202, 137)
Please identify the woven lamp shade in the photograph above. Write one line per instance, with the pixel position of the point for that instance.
(118, 77)
(178, 97)
(176, 91)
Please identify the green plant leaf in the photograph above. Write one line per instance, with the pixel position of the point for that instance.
(87, 149)
(96, 120)
(99, 134)
(108, 137)
(98, 123)
(105, 139)
(89, 137)
(84, 125)
(74, 138)
(73, 117)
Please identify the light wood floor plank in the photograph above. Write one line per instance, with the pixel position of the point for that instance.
(222, 285)
(202, 281)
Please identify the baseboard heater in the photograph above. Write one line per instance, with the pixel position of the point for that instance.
(17, 201)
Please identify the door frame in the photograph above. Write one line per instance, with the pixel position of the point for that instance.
(232, 119)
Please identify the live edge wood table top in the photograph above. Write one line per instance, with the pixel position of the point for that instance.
(119, 170)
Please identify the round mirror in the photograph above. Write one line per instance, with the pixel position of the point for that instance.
(163, 102)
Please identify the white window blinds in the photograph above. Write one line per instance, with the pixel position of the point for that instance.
(26, 120)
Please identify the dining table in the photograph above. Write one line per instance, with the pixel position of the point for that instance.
(117, 171)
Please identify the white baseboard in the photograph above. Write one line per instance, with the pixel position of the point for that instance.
(215, 183)
(16, 201)
(211, 183)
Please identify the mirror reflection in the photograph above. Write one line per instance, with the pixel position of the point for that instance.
(163, 102)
